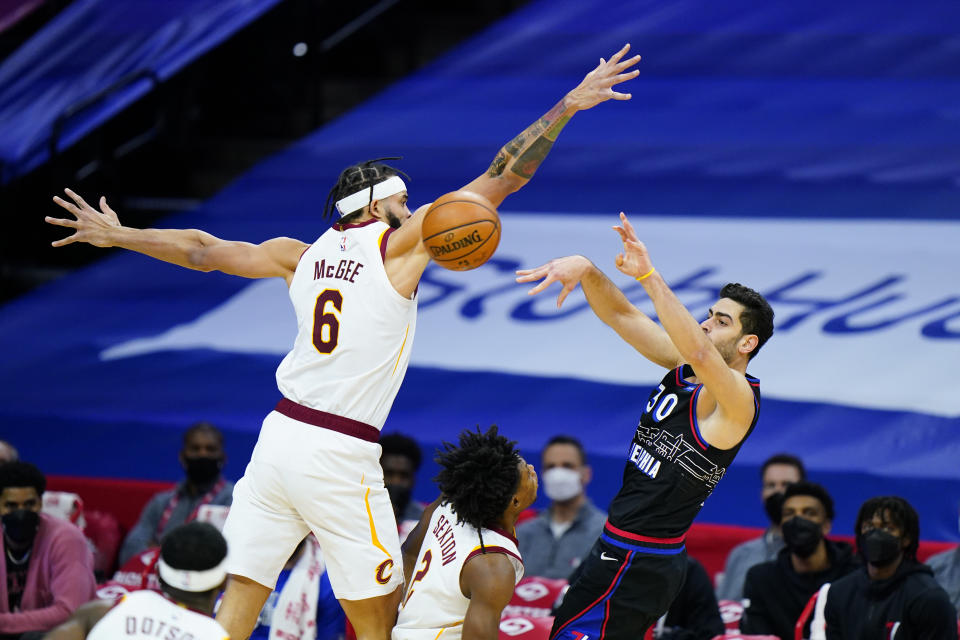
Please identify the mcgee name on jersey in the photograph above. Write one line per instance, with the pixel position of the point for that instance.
(345, 270)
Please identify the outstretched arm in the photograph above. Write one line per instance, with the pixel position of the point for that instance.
(488, 580)
(608, 302)
(190, 248)
(517, 161)
(729, 389)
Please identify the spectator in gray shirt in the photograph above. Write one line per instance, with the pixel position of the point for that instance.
(776, 474)
(554, 543)
(202, 458)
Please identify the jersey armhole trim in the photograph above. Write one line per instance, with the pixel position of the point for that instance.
(384, 237)
(694, 423)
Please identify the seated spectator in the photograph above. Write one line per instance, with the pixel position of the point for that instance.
(892, 595)
(776, 592)
(192, 573)
(695, 614)
(776, 474)
(400, 459)
(202, 458)
(48, 568)
(302, 605)
(7, 452)
(946, 571)
(553, 543)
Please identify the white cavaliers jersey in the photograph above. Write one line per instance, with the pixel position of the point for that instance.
(434, 606)
(147, 614)
(354, 331)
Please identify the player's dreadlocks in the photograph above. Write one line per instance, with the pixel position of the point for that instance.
(479, 477)
(356, 177)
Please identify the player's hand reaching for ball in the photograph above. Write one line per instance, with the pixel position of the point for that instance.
(92, 226)
(634, 261)
(598, 85)
(567, 271)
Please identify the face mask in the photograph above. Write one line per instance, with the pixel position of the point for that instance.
(561, 484)
(21, 526)
(399, 497)
(801, 536)
(203, 470)
(772, 505)
(880, 547)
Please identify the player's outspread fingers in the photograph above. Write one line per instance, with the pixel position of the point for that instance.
(61, 222)
(69, 206)
(621, 96)
(75, 197)
(626, 64)
(540, 287)
(67, 240)
(615, 58)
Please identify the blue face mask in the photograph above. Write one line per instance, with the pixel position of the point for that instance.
(20, 526)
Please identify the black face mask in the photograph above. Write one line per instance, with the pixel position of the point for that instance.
(399, 497)
(772, 505)
(20, 526)
(880, 547)
(802, 536)
(203, 470)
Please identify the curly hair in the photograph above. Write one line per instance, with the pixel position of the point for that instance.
(362, 175)
(757, 315)
(480, 476)
(896, 511)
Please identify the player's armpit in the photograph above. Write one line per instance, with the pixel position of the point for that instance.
(488, 580)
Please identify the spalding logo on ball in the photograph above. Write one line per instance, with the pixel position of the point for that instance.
(461, 230)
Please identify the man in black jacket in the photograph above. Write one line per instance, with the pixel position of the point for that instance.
(893, 595)
(777, 591)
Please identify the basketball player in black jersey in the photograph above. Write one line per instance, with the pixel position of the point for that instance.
(691, 428)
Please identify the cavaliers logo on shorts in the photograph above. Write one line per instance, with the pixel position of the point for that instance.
(383, 577)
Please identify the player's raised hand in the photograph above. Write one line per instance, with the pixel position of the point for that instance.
(598, 85)
(567, 271)
(92, 226)
(634, 261)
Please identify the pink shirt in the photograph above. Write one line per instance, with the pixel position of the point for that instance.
(59, 578)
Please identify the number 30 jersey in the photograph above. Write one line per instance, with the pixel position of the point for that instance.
(670, 469)
(433, 606)
(354, 330)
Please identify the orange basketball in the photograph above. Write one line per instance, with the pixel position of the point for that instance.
(461, 230)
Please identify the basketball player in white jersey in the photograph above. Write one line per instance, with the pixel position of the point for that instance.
(192, 572)
(316, 463)
(461, 562)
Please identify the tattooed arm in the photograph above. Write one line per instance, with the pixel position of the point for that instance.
(517, 161)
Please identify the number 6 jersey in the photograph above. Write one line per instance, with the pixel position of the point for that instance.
(354, 331)
(433, 606)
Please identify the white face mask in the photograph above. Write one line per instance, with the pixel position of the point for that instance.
(561, 484)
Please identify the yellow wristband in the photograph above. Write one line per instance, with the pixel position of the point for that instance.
(646, 275)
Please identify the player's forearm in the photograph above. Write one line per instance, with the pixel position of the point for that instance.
(183, 247)
(684, 331)
(605, 298)
(519, 159)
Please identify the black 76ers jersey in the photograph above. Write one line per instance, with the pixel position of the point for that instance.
(670, 469)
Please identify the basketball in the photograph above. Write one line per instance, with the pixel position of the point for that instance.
(461, 230)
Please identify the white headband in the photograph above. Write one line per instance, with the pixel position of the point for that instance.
(193, 581)
(360, 199)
